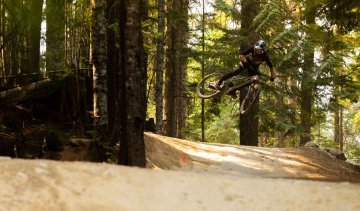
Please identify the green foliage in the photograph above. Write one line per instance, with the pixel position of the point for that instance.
(344, 14)
(222, 131)
(285, 32)
(353, 150)
(334, 78)
(221, 122)
(227, 9)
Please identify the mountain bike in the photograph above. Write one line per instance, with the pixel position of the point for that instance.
(204, 89)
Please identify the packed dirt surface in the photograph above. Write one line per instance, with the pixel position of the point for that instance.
(184, 175)
(246, 161)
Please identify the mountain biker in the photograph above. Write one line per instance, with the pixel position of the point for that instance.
(250, 60)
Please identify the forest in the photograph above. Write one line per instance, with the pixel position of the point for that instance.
(126, 66)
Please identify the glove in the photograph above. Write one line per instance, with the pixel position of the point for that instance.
(272, 79)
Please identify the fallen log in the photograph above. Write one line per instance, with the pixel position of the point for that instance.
(37, 89)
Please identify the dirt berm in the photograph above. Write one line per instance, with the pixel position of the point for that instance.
(183, 175)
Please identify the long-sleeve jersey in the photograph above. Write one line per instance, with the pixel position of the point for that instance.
(253, 59)
(256, 59)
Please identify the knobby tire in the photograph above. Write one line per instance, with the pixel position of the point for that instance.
(248, 101)
(204, 91)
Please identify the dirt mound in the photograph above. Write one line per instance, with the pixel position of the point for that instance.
(200, 176)
(54, 185)
(297, 163)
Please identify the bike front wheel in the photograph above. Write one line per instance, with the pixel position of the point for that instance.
(204, 90)
(248, 101)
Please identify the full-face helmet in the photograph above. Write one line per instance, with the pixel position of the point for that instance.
(260, 45)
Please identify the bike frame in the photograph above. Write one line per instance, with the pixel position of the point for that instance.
(249, 80)
(235, 83)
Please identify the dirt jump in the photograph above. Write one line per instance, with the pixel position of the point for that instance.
(185, 175)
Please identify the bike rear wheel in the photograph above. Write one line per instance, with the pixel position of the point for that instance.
(248, 101)
(203, 90)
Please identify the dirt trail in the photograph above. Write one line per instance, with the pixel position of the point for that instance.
(185, 175)
(297, 163)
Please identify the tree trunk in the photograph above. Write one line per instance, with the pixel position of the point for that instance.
(34, 35)
(146, 40)
(203, 70)
(280, 102)
(11, 33)
(306, 103)
(159, 67)
(337, 117)
(341, 130)
(292, 102)
(82, 95)
(132, 147)
(336, 126)
(2, 71)
(183, 31)
(69, 34)
(55, 35)
(170, 75)
(112, 8)
(175, 75)
(307, 82)
(99, 57)
(249, 123)
(119, 130)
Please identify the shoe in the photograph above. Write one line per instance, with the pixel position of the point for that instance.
(214, 85)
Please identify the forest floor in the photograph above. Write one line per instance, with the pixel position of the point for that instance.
(185, 175)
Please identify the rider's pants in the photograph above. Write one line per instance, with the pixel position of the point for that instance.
(237, 71)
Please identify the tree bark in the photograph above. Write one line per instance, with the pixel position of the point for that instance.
(183, 31)
(159, 67)
(170, 75)
(112, 9)
(280, 103)
(336, 126)
(99, 57)
(337, 117)
(34, 35)
(341, 130)
(55, 35)
(249, 124)
(175, 75)
(2, 71)
(146, 40)
(120, 128)
(203, 70)
(132, 147)
(11, 34)
(307, 82)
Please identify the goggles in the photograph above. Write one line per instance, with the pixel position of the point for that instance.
(258, 51)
